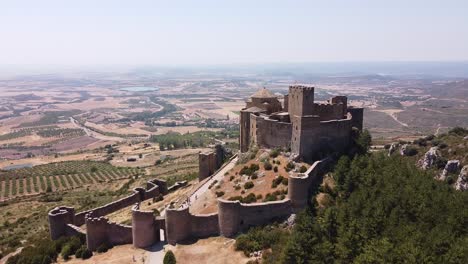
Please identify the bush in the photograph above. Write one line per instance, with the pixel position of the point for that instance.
(250, 198)
(169, 258)
(66, 252)
(87, 254)
(79, 252)
(303, 169)
(289, 166)
(459, 131)
(274, 153)
(254, 176)
(279, 180)
(219, 194)
(411, 151)
(259, 238)
(248, 185)
(231, 178)
(267, 165)
(104, 247)
(275, 169)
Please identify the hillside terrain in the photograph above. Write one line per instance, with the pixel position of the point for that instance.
(375, 208)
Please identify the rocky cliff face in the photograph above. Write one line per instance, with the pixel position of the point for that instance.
(462, 182)
(452, 166)
(429, 158)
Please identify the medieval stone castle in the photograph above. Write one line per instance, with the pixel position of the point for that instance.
(310, 130)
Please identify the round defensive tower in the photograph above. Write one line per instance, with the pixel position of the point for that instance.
(177, 224)
(59, 217)
(145, 231)
(298, 188)
(228, 217)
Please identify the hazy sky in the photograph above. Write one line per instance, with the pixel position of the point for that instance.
(85, 32)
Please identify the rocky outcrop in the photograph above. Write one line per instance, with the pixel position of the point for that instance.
(404, 150)
(452, 166)
(392, 148)
(429, 158)
(462, 182)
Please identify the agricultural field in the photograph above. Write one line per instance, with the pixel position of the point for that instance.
(58, 177)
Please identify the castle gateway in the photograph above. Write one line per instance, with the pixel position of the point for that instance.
(310, 130)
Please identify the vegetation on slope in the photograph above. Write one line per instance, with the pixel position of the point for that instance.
(381, 210)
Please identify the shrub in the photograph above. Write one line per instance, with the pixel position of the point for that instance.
(169, 258)
(289, 166)
(259, 196)
(284, 181)
(248, 185)
(275, 169)
(267, 165)
(278, 180)
(219, 194)
(274, 153)
(254, 176)
(66, 252)
(460, 131)
(412, 151)
(79, 252)
(235, 198)
(250, 198)
(87, 254)
(303, 169)
(104, 247)
(231, 178)
(237, 187)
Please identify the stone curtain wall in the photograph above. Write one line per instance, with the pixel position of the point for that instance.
(235, 217)
(99, 230)
(272, 133)
(182, 225)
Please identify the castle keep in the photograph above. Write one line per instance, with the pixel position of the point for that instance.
(310, 130)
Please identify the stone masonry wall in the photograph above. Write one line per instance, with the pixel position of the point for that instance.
(272, 133)
(99, 230)
(182, 225)
(235, 217)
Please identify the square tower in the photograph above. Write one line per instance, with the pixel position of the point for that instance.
(301, 100)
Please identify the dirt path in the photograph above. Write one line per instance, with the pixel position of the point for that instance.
(10, 193)
(38, 180)
(2, 190)
(218, 176)
(4, 259)
(52, 183)
(18, 187)
(392, 113)
(26, 187)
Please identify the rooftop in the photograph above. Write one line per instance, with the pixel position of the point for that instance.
(263, 93)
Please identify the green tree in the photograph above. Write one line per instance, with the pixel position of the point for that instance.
(169, 258)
